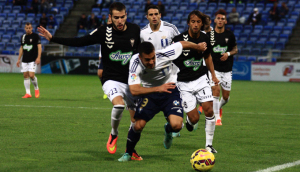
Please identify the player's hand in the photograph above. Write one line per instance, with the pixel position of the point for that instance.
(44, 33)
(37, 61)
(224, 57)
(165, 87)
(202, 46)
(216, 81)
(18, 63)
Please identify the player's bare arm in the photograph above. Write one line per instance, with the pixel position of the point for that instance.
(20, 55)
(210, 67)
(232, 52)
(38, 59)
(190, 45)
(137, 89)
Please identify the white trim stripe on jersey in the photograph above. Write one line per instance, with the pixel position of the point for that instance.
(172, 26)
(134, 65)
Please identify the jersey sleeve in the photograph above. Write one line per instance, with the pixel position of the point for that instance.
(95, 37)
(38, 39)
(175, 31)
(173, 51)
(23, 39)
(175, 39)
(141, 36)
(134, 71)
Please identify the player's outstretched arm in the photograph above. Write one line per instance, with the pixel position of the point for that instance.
(190, 45)
(89, 39)
(137, 89)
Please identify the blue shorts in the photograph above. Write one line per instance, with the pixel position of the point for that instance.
(100, 66)
(151, 104)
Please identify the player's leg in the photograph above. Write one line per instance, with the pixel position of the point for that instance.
(115, 94)
(226, 88)
(190, 108)
(99, 73)
(134, 135)
(173, 111)
(25, 70)
(216, 103)
(33, 78)
(210, 124)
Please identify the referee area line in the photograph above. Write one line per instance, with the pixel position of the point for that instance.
(280, 167)
(96, 108)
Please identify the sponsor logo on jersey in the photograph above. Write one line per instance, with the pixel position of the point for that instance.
(119, 56)
(27, 47)
(219, 49)
(149, 39)
(30, 40)
(193, 63)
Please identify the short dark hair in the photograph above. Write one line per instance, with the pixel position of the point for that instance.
(116, 6)
(27, 23)
(222, 12)
(202, 16)
(145, 47)
(153, 7)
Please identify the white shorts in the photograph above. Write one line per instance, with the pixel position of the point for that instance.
(225, 79)
(28, 67)
(193, 92)
(114, 88)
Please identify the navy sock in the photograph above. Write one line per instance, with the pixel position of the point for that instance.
(132, 139)
(169, 128)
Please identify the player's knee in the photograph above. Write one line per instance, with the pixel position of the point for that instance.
(99, 74)
(194, 118)
(226, 97)
(138, 127)
(177, 127)
(31, 76)
(208, 112)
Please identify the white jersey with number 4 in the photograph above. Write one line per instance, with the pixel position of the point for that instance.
(161, 38)
(162, 72)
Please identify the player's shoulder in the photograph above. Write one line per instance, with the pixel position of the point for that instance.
(145, 28)
(180, 36)
(229, 32)
(169, 26)
(134, 63)
(133, 26)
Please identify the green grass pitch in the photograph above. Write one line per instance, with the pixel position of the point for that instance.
(67, 128)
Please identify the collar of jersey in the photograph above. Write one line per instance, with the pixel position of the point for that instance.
(160, 28)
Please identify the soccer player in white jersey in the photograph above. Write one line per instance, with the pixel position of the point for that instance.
(152, 78)
(159, 33)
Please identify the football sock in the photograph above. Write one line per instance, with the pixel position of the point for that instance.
(223, 102)
(189, 125)
(116, 115)
(27, 85)
(210, 125)
(216, 107)
(132, 139)
(169, 128)
(35, 83)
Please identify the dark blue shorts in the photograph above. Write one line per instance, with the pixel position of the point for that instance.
(151, 104)
(100, 66)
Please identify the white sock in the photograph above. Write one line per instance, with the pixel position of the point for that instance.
(131, 124)
(210, 125)
(27, 85)
(223, 102)
(116, 115)
(216, 107)
(35, 83)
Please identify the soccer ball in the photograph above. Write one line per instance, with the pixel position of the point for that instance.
(202, 160)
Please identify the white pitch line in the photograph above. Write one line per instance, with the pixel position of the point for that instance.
(281, 167)
(70, 107)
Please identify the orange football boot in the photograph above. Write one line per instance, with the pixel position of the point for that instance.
(37, 93)
(26, 96)
(111, 145)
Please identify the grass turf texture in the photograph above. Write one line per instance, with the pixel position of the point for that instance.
(67, 128)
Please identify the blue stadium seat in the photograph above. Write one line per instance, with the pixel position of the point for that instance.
(254, 36)
(193, 6)
(175, 21)
(137, 5)
(5, 52)
(64, 11)
(167, 19)
(242, 58)
(271, 23)
(6, 24)
(15, 39)
(279, 45)
(183, 6)
(7, 9)
(267, 29)
(240, 44)
(81, 49)
(95, 54)
(91, 48)
(212, 6)
(6, 38)
(287, 30)
(10, 46)
(283, 38)
(251, 58)
(269, 45)
(3, 16)
(255, 51)
(179, 13)
(16, 9)
(21, 16)
(173, 6)
(273, 37)
(263, 37)
(294, 15)
(258, 29)
(86, 54)
(248, 29)
(243, 37)
(138, 19)
(142, 25)
(11, 16)
(259, 44)
(69, 54)
(81, 32)
(10, 31)
(72, 49)
(2, 45)
(249, 44)
(246, 51)
(77, 54)
(230, 27)
(2, 31)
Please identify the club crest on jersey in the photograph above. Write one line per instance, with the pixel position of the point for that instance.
(119, 56)
(30, 40)
(193, 63)
(176, 103)
(226, 40)
(132, 42)
(219, 49)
